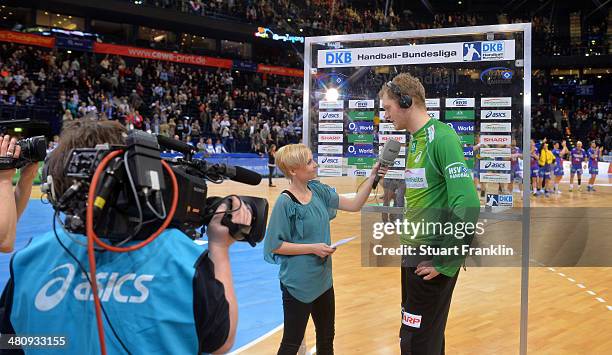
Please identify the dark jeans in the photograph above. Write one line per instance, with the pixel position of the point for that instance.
(296, 313)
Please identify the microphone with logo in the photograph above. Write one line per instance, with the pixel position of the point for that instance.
(387, 157)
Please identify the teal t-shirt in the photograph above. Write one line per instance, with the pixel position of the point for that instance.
(306, 277)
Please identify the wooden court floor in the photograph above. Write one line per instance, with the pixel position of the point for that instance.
(564, 318)
(570, 308)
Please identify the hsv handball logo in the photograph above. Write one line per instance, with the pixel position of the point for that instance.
(46, 301)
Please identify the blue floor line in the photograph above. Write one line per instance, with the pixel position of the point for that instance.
(256, 282)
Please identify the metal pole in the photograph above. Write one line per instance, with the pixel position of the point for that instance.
(526, 178)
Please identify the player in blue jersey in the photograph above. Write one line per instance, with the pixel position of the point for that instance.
(535, 168)
(577, 157)
(516, 175)
(593, 155)
(558, 167)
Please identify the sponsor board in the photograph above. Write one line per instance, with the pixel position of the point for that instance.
(454, 52)
(399, 163)
(460, 102)
(331, 115)
(383, 138)
(468, 152)
(487, 50)
(496, 101)
(388, 127)
(357, 172)
(434, 114)
(488, 139)
(462, 127)
(324, 171)
(497, 178)
(381, 115)
(495, 114)
(360, 138)
(331, 127)
(416, 178)
(459, 115)
(327, 105)
(361, 127)
(395, 174)
(331, 138)
(329, 162)
(361, 103)
(497, 75)
(494, 165)
(495, 127)
(361, 162)
(466, 139)
(329, 149)
(361, 115)
(495, 152)
(360, 150)
(432, 103)
(494, 200)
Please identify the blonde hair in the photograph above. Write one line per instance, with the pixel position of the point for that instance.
(291, 157)
(408, 85)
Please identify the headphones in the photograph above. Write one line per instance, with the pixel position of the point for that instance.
(405, 101)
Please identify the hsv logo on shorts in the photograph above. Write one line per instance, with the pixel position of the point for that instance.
(411, 320)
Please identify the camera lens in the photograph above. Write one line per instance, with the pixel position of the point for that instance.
(33, 149)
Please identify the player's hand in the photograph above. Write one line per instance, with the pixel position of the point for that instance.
(563, 144)
(321, 250)
(426, 269)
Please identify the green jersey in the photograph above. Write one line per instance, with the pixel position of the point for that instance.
(439, 189)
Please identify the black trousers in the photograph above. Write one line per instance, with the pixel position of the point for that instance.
(296, 313)
(425, 306)
(271, 170)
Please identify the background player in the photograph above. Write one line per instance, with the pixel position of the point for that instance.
(577, 156)
(558, 168)
(593, 155)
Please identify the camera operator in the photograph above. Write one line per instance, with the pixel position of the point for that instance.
(14, 201)
(170, 296)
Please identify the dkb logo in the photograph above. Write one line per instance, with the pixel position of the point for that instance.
(342, 57)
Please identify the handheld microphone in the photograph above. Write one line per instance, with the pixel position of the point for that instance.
(176, 145)
(387, 157)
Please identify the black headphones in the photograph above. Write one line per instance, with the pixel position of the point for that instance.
(405, 101)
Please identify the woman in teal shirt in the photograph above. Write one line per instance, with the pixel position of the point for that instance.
(298, 238)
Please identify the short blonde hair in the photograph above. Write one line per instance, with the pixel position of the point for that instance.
(291, 156)
(408, 85)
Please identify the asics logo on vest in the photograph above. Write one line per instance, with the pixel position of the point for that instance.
(117, 286)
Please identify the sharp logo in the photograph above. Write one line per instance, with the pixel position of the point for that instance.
(340, 57)
(331, 138)
(117, 287)
(495, 139)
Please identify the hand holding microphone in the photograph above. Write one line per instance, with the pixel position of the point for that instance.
(386, 159)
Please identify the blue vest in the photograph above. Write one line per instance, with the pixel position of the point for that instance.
(147, 294)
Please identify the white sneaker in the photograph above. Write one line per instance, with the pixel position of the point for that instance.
(558, 192)
(516, 191)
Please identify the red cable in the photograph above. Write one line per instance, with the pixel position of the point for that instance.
(92, 237)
